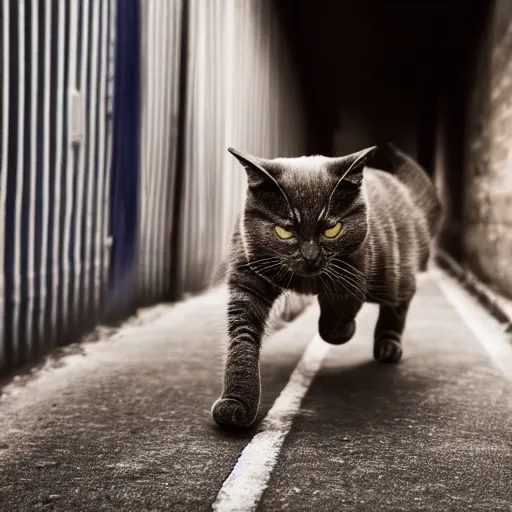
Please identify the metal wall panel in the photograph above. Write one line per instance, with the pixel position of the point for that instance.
(82, 210)
(241, 92)
(53, 165)
(4, 141)
(161, 25)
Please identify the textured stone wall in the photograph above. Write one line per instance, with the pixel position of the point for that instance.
(487, 193)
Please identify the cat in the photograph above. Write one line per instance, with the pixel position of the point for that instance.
(332, 227)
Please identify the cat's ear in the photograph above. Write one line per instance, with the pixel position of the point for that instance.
(349, 168)
(257, 174)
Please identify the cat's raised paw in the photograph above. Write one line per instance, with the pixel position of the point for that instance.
(338, 336)
(229, 413)
(387, 351)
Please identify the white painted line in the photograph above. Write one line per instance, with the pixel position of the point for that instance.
(244, 487)
(487, 330)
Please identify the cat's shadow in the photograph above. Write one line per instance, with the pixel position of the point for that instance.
(364, 393)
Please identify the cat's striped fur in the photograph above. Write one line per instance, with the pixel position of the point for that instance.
(388, 220)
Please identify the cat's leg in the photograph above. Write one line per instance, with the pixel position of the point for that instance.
(337, 323)
(387, 344)
(250, 301)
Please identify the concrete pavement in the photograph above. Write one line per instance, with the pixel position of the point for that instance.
(126, 426)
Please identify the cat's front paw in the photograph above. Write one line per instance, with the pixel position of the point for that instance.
(229, 413)
(387, 350)
(339, 335)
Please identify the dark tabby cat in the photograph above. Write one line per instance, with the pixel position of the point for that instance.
(319, 225)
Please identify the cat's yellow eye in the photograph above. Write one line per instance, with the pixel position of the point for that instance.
(333, 232)
(283, 233)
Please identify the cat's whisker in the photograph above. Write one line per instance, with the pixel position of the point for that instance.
(269, 267)
(265, 262)
(354, 278)
(328, 285)
(342, 266)
(264, 259)
(359, 275)
(275, 272)
(334, 279)
(359, 286)
(291, 277)
(271, 251)
(262, 266)
(330, 276)
(351, 287)
(258, 261)
(360, 283)
(344, 263)
(282, 272)
(331, 294)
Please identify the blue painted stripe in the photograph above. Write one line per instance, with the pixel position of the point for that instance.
(125, 160)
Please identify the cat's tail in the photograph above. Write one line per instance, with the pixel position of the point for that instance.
(391, 159)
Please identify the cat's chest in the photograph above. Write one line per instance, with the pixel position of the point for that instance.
(325, 284)
(305, 286)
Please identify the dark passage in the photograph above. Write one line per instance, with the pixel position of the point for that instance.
(375, 71)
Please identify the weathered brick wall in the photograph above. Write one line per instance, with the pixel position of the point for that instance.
(487, 196)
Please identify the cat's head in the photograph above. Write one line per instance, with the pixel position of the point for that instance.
(300, 213)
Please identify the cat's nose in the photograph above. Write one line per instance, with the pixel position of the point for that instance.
(310, 251)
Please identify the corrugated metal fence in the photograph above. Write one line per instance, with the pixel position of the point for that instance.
(77, 213)
(241, 92)
(161, 51)
(55, 166)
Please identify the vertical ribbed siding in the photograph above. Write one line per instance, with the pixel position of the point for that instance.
(241, 93)
(33, 171)
(4, 141)
(70, 175)
(79, 71)
(56, 207)
(160, 60)
(101, 162)
(52, 188)
(57, 165)
(104, 208)
(22, 68)
(45, 176)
